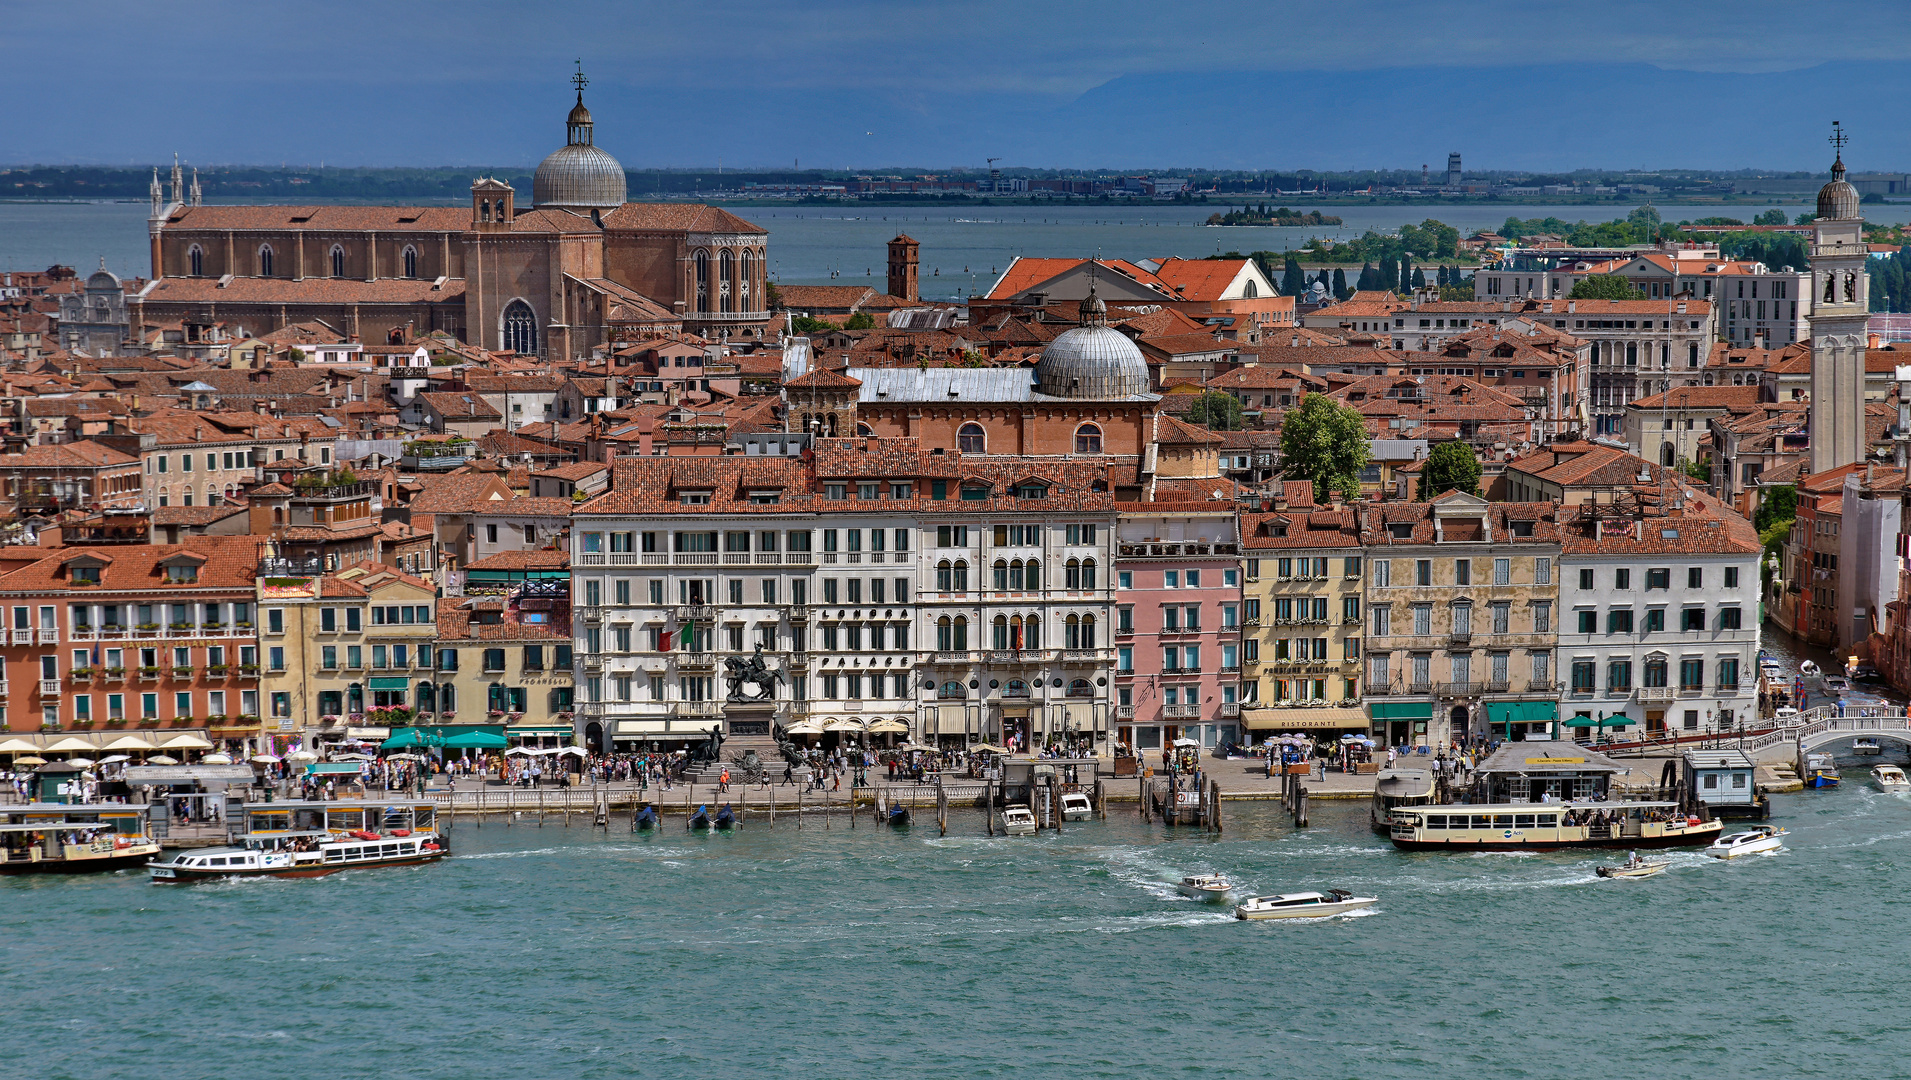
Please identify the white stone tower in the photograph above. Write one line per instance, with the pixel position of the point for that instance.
(1839, 313)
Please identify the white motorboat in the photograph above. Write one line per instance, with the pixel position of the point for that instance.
(1302, 905)
(1889, 778)
(1634, 867)
(1808, 669)
(1077, 807)
(1770, 670)
(1212, 888)
(1866, 745)
(1018, 821)
(1762, 840)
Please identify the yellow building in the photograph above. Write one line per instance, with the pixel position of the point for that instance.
(1302, 605)
(506, 661)
(343, 650)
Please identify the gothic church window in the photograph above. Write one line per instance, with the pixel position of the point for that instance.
(703, 280)
(338, 261)
(411, 261)
(971, 440)
(725, 293)
(197, 258)
(265, 260)
(520, 328)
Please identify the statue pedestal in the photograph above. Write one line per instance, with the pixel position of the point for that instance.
(748, 717)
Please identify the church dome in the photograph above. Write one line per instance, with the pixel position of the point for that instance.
(1838, 200)
(579, 176)
(1093, 360)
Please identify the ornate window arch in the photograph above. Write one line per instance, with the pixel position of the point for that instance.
(338, 260)
(195, 259)
(411, 261)
(1000, 633)
(1015, 688)
(1088, 439)
(1088, 573)
(1001, 569)
(960, 632)
(1032, 632)
(1251, 291)
(952, 689)
(1080, 688)
(961, 583)
(746, 273)
(726, 284)
(520, 328)
(863, 430)
(971, 439)
(1032, 576)
(265, 260)
(702, 262)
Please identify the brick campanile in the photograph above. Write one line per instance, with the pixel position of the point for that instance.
(902, 268)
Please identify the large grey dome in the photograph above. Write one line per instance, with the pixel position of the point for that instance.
(579, 175)
(1092, 360)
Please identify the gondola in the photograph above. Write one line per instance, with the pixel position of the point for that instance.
(645, 820)
(898, 816)
(725, 819)
(699, 820)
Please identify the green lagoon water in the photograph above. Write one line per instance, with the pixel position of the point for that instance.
(553, 952)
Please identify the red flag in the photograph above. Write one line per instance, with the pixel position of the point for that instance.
(663, 640)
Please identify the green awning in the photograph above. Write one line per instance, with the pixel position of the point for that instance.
(1402, 710)
(475, 740)
(332, 768)
(491, 736)
(1614, 720)
(1522, 712)
(400, 683)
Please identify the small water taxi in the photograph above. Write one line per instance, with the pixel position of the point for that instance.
(1212, 888)
(1808, 669)
(1546, 826)
(1769, 669)
(1302, 905)
(1018, 821)
(1866, 746)
(1635, 867)
(311, 839)
(58, 838)
(1076, 807)
(1763, 840)
(1889, 778)
(1821, 771)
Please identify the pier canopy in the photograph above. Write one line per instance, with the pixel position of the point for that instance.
(449, 736)
(1536, 771)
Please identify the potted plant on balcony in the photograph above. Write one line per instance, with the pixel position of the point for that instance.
(243, 624)
(248, 669)
(217, 671)
(248, 718)
(82, 674)
(182, 672)
(148, 626)
(355, 718)
(112, 628)
(181, 626)
(328, 719)
(215, 720)
(149, 673)
(446, 714)
(514, 717)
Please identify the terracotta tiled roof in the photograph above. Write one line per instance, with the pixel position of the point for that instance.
(78, 455)
(541, 559)
(224, 563)
(252, 290)
(460, 406)
(322, 218)
(677, 217)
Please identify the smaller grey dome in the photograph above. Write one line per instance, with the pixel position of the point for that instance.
(1838, 200)
(1092, 362)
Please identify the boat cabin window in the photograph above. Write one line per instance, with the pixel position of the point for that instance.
(1549, 821)
(1522, 821)
(270, 821)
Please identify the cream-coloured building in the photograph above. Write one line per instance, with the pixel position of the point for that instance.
(1301, 602)
(341, 649)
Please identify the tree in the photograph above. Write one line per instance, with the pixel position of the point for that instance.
(1325, 442)
(1217, 411)
(1605, 287)
(1292, 283)
(1406, 275)
(1451, 466)
(1644, 220)
(1779, 505)
(1771, 217)
(1340, 283)
(1366, 276)
(803, 324)
(1697, 470)
(1805, 219)
(862, 320)
(1419, 278)
(772, 296)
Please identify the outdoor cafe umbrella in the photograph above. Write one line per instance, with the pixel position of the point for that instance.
(162, 759)
(114, 759)
(217, 759)
(988, 748)
(82, 762)
(263, 759)
(301, 755)
(1186, 742)
(30, 759)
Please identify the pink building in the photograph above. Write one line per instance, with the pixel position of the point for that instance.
(1177, 621)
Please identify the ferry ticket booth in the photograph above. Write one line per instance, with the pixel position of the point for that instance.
(1541, 772)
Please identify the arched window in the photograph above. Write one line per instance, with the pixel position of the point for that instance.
(971, 440)
(863, 430)
(1088, 573)
(745, 275)
(1015, 634)
(1072, 575)
(520, 328)
(1665, 454)
(212, 494)
(944, 578)
(196, 259)
(1088, 439)
(961, 583)
(1080, 688)
(1088, 632)
(265, 260)
(338, 261)
(1032, 576)
(952, 689)
(278, 515)
(1250, 292)
(1015, 576)
(500, 206)
(961, 633)
(1015, 688)
(945, 634)
(411, 261)
(999, 638)
(1072, 633)
(726, 288)
(703, 280)
(1001, 575)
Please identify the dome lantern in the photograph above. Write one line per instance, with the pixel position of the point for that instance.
(579, 176)
(1838, 200)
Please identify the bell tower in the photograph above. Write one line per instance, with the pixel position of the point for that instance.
(902, 269)
(1840, 305)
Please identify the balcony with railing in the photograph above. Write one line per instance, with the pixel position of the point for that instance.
(1460, 689)
(1178, 550)
(697, 708)
(1654, 694)
(696, 661)
(689, 613)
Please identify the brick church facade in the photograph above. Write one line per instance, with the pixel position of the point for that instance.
(577, 269)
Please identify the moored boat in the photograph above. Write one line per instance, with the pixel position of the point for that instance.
(698, 820)
(1395, 788)
(58, 838)
(1546, 826)
(1211, 888)
(1866, 746)
(645, 819)
(898, 815)
(1762, 840)
(1889, 778)
(1076, 807)
(1807, 669)
(725, 818)
(1018, 821)
(311, 839)
(1821, 771)
(1302, 905)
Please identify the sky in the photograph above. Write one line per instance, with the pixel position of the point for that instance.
(867, 84)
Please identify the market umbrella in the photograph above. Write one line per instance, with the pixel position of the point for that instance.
(525, 751)
(18, 746)
(301, 755)
(476, 740)
(1186, 742)
(67, 744)
(162, 759)
(125, 742)
(888, 727)
(30, 759)
(82, 762)
(804, 727)
(185, 741)
(351, 757)
(403, 757)
(264, 759)
(217, 759)
(845, 724)
(989, 748)
(114, 759)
